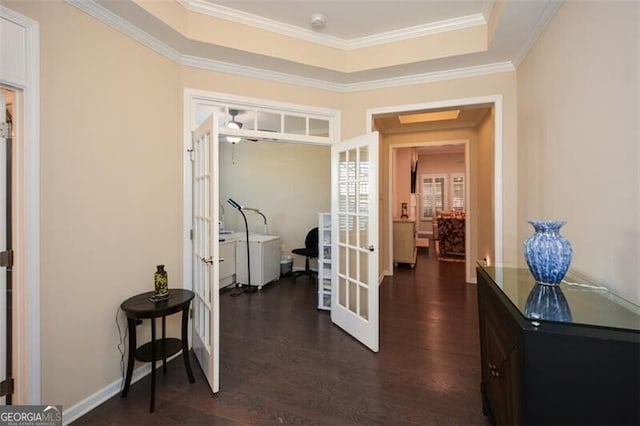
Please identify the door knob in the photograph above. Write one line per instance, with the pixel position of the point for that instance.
(372, 248)
(208, 260)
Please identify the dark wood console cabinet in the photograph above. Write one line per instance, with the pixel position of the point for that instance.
(570, 358)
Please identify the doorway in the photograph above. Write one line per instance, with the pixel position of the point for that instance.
(485, 183)
(444, 162)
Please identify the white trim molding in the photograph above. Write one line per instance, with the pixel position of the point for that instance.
(450, 74)
(237, 16)
(27, 213)
(101, 13)
(105, 16)
(78, 410)
(550, 10)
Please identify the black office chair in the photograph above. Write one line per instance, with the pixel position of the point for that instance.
(310, 251)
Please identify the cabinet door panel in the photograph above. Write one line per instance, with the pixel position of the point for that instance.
(501, 340)
(501, 372)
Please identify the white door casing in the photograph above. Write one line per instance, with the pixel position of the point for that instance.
(206, 271)
(3, 247)
(354, 218)
(20, 71)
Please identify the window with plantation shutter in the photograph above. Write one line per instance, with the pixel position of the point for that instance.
(433, 195)
(442, 193)
(457, 192)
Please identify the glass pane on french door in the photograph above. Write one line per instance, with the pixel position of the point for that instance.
(353, 240)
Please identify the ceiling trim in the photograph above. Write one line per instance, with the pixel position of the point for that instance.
(106, 16)
(246, 71)
(450, 74)
(549, 10)
(219, 66)
(233, 15)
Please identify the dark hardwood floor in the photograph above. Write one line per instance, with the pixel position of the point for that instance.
(283, 362)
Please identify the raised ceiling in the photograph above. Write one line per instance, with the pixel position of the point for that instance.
(365, 44)
(470, 117)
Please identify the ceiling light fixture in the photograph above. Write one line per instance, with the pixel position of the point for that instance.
(233, 124)
(318, 21)
(429, 116)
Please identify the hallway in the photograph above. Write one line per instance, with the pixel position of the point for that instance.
(283, 362)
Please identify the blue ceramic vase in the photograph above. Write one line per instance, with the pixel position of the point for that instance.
(547, 303)
(548, 254)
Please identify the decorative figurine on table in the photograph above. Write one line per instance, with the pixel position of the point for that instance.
(404, 214)
(161, 283)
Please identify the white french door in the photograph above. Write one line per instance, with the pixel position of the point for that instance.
(206, 271)
(354, 214)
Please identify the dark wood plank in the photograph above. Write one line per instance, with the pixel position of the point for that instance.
(284, 362)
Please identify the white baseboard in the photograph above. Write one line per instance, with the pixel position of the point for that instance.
(76, 411)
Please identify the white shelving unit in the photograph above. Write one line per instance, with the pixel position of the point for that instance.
(325, 261)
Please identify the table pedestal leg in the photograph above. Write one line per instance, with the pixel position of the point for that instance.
(164, 346)
(131, 359)
(153, 365)
(185, 344)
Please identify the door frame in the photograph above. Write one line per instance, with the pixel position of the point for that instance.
(498, 146)
(190, 100)
(469, 266)
(25, 81)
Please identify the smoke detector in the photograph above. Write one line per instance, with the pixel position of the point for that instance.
(318, 21)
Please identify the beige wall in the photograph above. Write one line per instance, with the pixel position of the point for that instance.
(260, 89)
(441, 163)
(401, 180)
(482, 189)
(110, 190)
(290, 183)
(578, 121)
(111, 171)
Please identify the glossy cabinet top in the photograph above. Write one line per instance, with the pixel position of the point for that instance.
(574, 301)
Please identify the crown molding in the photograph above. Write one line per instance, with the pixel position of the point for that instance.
(97, 11)
(229, 14)
(246, 71)
(430, 77)
(444, 26)
(488, 10)
(451, 74)
(550, 9)
(106, 16)
(233, 15)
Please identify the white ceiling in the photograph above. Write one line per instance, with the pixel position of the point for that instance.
(348, 20)
(350, 24)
